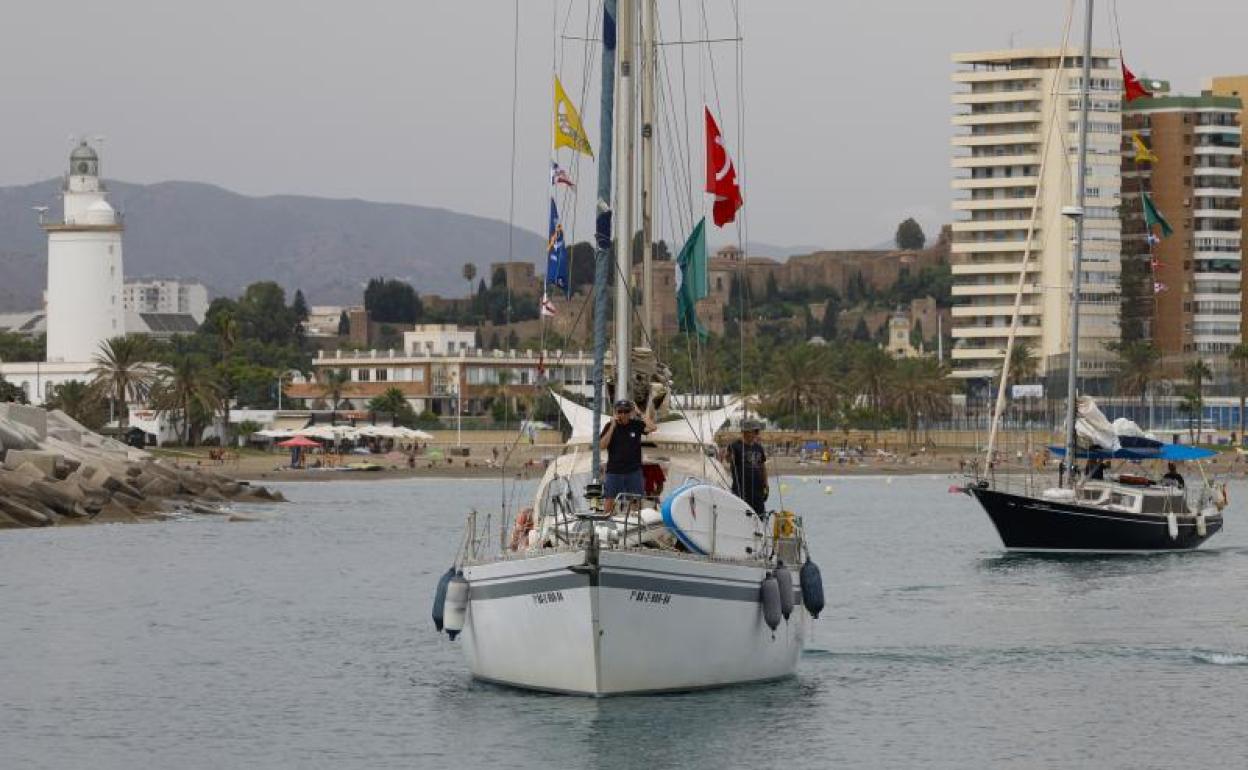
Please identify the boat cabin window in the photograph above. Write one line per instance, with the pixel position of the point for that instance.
(1126, 501)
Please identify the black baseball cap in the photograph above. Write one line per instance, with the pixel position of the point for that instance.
(624, 404)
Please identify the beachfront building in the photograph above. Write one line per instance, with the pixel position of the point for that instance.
(1236, 86)
(1191, 300)
(1006, 103)
(439, 363)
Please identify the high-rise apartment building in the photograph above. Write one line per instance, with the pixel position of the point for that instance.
(1007, 103)
(1190, 299)
(166, 296)
(1237, 86)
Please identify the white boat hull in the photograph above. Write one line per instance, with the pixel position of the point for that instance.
(644, 622)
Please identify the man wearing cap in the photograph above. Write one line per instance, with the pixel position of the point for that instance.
(748, 462)
(622, 440)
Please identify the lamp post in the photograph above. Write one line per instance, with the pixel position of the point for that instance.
(459, 413)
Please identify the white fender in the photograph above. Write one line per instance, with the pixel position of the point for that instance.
(1201, 529)
(1172, 524)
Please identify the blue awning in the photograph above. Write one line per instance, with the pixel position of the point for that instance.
(1154, 451)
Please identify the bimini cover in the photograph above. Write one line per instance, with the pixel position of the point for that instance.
(1142, 449)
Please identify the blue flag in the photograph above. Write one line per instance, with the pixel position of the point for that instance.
(556, 252)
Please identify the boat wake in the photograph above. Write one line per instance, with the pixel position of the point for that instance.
(1221, 658)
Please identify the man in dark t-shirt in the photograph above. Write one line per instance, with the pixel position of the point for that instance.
(622, 439)
(748, 462)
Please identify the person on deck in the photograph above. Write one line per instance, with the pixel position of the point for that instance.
(622, 440)
(1174, 477)
(748, 462)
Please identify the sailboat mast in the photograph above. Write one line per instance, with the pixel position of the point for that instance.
(624, 127)
(602, 222)
(649, 63)
(1077, 266)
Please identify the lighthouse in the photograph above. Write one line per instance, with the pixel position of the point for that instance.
(84, 298)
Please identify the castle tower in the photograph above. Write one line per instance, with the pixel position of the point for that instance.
(84, 298)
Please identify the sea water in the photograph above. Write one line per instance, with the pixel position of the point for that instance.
(304, 641)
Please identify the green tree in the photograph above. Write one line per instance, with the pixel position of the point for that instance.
(123, 371)
(1024, 365)
(392, 301)
(499, 279)
(873, 374)
(831, 309)
(11, 393)
(909, 235)
(1138, 366)
(1197, 372)
(80, 401)
(188, 390)
(921, 388)
(861, 332)
(344, 324)
(332, 386)
(393, 403)
(299, 306)
(469, 273)
(18, 347)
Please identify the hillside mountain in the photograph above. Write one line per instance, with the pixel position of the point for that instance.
(329, 248)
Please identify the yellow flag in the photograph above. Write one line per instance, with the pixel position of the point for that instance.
(568, 129)
(1142, 153)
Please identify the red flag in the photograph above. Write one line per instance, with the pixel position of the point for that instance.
(1131, 86)
(721, 176)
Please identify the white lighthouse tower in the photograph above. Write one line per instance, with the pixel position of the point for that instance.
(84, 300)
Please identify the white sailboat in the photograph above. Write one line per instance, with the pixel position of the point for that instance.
(683, 588)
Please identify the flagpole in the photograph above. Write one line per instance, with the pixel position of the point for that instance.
(1072, 384)
(602, 227)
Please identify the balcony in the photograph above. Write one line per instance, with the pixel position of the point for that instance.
(988, 161)
(994, 268)
(994, 332)
(996, 118)
(993, 289)
(982, 140)
(981, 311)
(1213, 149)
(992, 247)
(995, 183)
(1213, 129)
(994, 204)
(994, 225)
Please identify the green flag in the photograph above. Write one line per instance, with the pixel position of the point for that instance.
(1153, 217)
(691, 283)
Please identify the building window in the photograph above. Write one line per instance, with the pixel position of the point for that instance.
(382, 375)
(361, 375)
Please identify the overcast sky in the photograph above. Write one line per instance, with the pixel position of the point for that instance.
(846, 103)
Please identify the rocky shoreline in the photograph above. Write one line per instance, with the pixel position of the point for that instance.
(57, 472)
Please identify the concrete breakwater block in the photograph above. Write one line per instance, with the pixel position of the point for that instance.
(44, 461)
(32, 417)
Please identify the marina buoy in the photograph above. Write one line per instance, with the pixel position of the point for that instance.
(812, 588)
(784, 487)
(439, 597)
(784, 579)
(827, 490)
(1172, 524)
(456, 605)
(769, 597)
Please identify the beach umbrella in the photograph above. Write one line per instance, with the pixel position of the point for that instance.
(298, 441)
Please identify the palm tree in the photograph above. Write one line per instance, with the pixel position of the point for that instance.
(469, 273)
(1024, 364)
(873, 373)
(1138, 367)
(188, 389)
(921, 387)
(333, 385)
(78, 400)
(1239, 359)
(797, 382)
(122, 373)
(1197, 372)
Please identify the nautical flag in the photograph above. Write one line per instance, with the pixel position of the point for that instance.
(558, 176)
(1152, 239)
(691, 282)
(1142, 153)
(1158, 287)
(556, 251)
(547, 307)
(721, 176)
(568, 129)
(1153, 217)
(1131, 86)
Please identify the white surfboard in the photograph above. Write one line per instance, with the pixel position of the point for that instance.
(711, 520)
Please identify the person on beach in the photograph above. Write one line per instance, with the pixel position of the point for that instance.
(748, 461)
(622, 440)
